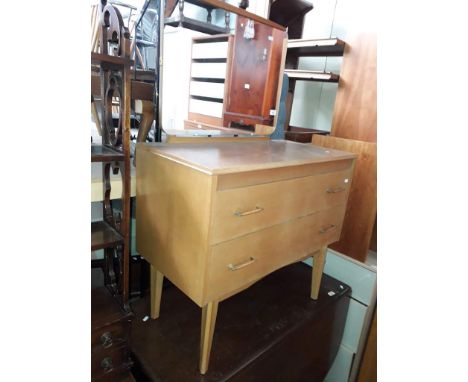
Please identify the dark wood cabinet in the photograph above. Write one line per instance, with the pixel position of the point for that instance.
(110, 312)
(110, 331)
(253, 75)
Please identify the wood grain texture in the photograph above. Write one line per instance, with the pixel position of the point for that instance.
(355, 112)
(216, 139)
(253, 73)
(368, 369)
(225, 158)
(140, 90)
(299, 197)
(181, 213)
(156, 281)
(271, 249)
(173, 210)
(317, 271)
(362, 203)
(209, 312)
(203, 118)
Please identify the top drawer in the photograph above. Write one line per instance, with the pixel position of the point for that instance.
(239, 211)
(210, 50)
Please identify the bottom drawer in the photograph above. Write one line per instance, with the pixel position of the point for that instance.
(114, 361)
(237, 263)
(110, 336)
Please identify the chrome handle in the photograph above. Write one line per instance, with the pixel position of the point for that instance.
(335, 190)
(254, 211)
(331, 227)
(233, 267)
(106, 340)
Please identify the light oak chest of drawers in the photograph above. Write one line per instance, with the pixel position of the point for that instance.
(215, 218)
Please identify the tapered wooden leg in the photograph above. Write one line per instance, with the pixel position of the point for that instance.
(317, 271)
(156, 291)
(208, 322)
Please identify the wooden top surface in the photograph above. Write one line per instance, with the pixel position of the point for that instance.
(231, 157)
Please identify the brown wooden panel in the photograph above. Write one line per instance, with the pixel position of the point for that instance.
(355, 113)
(368, 370)
(170, 6)
(362, 203)
(140, 90)
(197, 117)
(253, 76)
(373, 243)
(241, 12)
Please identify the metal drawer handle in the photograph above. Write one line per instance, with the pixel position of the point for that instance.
(233, 267)
(106, 340)
(106, 364)
(335, 190)
(331, 227)
(254, 211)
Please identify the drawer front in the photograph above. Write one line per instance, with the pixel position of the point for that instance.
(210, 50)
(235, 264)
(215, 109)
(110, 362)
(207, 89)
(109, 337)
(209, 70)
(240, 211)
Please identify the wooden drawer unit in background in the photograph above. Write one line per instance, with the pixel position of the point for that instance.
(110, 329)
(215, 218)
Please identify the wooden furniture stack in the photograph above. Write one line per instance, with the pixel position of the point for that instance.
(228, 214)
(110, 312)
(235, 80)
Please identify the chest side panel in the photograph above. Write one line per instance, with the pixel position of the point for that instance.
(173, 211)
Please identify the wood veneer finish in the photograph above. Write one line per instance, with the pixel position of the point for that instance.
(254, 74)
(177, 234)
(362, 206)
(355, 111)
(232, 158)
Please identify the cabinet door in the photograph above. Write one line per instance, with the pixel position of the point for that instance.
(254, 71)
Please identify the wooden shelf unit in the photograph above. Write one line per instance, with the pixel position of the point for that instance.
(302, 135)
(103, 235)
(110, 311)
(110, 62)
(330, 47)
(100, 153)
(311, 75)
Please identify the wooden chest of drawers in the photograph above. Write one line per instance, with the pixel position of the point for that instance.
(215, 218)
(110, 328)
